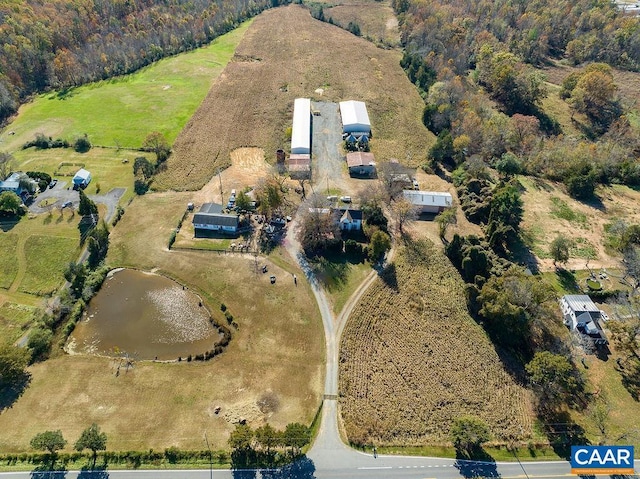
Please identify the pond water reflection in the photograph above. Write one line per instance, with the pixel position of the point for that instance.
(145, 315)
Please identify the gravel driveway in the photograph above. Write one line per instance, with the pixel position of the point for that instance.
(327, 160)
(62, 194)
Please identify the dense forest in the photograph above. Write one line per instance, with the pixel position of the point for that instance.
(64, 43)
(580, 30)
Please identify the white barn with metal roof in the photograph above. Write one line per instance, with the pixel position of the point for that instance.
(301, 129)
(355, 118)
(429, 201)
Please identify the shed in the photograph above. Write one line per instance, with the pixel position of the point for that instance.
(355, 118)
(211, 218)
(429, 201)
(361, 163)
(81, 179)
(301, 128)
(299, 166)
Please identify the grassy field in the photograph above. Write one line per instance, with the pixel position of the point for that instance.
(412, 360)
(47, 257)
(277, 351)
(109, 168)
(122, 111)
(376, 20)
(549, 211)
(8, 259)
(15, 320)
(281, 49)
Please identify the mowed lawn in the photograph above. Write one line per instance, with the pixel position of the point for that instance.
(276, 352)
(47, 257)
(109, 168)
(123, 110)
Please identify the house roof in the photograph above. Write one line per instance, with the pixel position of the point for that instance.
(580, 302)
(360, 158)
(354, 113)
(350, 214)
(82, 174)
(428, 198)
(320, 211)
(211, 214)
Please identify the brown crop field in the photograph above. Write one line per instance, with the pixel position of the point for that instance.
(284, 55)
(412, 360)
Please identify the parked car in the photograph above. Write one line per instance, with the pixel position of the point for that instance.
(345, 199)
(416, 186)
(332, 198)
(53, 183)
(67, 204)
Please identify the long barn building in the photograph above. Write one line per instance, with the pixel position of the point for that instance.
(301, 129)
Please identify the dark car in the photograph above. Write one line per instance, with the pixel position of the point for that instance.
(53, 183)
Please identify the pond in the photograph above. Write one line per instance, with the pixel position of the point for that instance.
(146, 316)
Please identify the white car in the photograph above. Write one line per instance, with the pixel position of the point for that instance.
(604, 316)
(345, 199)
(416, 186)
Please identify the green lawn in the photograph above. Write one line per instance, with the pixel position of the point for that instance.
(14, 320)
(109, 168)
(47, 257)
(122, 111)
(8, 262)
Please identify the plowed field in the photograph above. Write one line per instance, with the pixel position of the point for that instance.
(287, 54)
(412, 360)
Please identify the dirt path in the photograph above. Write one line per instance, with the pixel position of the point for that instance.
(22, 263)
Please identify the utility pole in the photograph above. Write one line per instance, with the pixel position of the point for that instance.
(210, 455)
(221, 192)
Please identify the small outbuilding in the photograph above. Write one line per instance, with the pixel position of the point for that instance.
(81, 179)
(299, 166)
(355, 118)
(429, 201)
(361, 164)
(211, 218)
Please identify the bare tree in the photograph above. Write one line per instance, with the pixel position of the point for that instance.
(318, 226)
(403, 212)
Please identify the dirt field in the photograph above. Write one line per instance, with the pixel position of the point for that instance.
(287, 54)
(412, 360)
(277, 352)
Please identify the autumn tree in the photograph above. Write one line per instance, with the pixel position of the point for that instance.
(319, 229)
(445, 219)
(93, 439)
(594, 93)
(403, 212)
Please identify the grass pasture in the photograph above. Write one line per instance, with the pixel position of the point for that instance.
(109, 168)
(15, 320)
(282, 49)
(549, 211)
(8, 259)
(276, 352)
(47, 257)
(122, 111)
(412, 360)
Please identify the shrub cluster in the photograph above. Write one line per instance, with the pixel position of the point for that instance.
(42, 142)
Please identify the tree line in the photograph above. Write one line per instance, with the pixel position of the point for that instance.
(61, 44)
